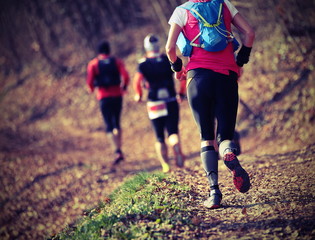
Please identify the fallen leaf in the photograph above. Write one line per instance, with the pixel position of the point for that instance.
(196, 220)
(244, 212)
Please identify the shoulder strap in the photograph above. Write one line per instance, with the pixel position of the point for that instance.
(214, 4)
(109, 60)
(204, 21)
(187, 5)
(193, 8)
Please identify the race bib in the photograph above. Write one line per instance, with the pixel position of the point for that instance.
(156, 109)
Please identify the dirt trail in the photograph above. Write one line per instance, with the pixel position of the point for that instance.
(279, 205)
(47, 187)
(54, 156)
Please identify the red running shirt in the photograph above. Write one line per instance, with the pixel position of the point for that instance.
(112, 91)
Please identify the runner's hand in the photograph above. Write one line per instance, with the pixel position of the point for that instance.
(243, 56)
(181, 75)
(137, 98)
(177, 66)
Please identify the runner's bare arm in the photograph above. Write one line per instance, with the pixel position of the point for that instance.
(170, 47)
(137, 80)
(245, 28)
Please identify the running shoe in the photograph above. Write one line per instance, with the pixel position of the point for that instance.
(240, 176)
(165, 167)
(214, 200)
(119, 157)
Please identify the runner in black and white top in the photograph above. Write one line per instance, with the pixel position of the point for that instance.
(154, 72)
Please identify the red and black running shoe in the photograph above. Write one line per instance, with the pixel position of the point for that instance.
(240, 176)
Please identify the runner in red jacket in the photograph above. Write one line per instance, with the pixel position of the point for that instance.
(109, 76)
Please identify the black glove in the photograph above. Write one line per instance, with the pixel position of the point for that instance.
(177, 65)
(243, 56)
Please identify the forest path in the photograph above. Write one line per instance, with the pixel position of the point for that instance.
(49, 187)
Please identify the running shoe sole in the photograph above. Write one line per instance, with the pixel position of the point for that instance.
(240, 176)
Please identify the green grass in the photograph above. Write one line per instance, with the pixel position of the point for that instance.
(144, 207)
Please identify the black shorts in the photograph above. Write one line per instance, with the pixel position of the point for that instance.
(111, 109)
(211, 96)
(168, 123)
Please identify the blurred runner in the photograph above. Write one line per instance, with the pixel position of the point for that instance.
(155, 73)
(109, 76)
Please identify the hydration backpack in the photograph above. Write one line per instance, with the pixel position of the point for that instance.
(108, 73)
(213, 35)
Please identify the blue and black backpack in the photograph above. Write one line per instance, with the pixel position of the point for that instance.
(213, 35)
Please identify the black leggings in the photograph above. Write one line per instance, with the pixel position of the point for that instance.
(111, 109)
(170, 122)
(211, 96)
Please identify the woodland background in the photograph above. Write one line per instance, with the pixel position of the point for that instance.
(52, 143)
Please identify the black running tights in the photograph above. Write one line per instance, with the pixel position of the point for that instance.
(211, 96)
(111, 109)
